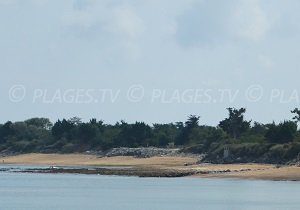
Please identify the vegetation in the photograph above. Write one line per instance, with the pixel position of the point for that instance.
(235, 124)
(247, 141)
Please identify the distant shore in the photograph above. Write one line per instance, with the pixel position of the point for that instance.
(151, 167)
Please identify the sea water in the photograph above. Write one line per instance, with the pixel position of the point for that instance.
(19, 191)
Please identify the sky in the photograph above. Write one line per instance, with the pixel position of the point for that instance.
(156, 61)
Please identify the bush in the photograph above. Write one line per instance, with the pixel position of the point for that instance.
(23, 146)
(68, 148)
(292, 151)
(249, 150)
(278, 151)
(196, 149)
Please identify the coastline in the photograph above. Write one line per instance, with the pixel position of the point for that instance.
(150, 167)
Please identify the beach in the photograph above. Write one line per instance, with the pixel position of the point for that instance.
(155, 166)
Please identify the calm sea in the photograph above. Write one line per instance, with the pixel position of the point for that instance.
(87, 192)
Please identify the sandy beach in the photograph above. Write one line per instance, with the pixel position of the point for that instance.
(180, 164)
(93, 160)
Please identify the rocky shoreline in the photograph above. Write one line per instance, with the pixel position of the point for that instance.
(125, 171)
(139, 172)
(138, 152)
(143, 152)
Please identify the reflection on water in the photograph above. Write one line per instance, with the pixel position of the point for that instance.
(69, 191)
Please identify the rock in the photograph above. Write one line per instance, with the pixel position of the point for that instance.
(145, 152)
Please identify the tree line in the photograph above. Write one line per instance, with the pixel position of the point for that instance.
(73, 135)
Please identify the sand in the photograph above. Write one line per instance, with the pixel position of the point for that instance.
(285, 173)
(236, 171)
(93, 160)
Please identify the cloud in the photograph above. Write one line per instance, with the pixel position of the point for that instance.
(203, 24)
(127, 22)
(84, 17)
(7, 2)
(120, 19)
(162, 44)
(115, 29)
(265, 61)
(210, 23)
(250, 20)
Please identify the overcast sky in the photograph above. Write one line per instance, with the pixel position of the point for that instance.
(150, 60)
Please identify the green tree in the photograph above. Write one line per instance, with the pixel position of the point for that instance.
(186, 130)
(75, 121)
(296, 111)
(5, 131)
(43, 123)
(134, 135)
(206, 135)
(283, 133)
(235, 124)
(87, 133)
(62, 129)
(163, 134)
